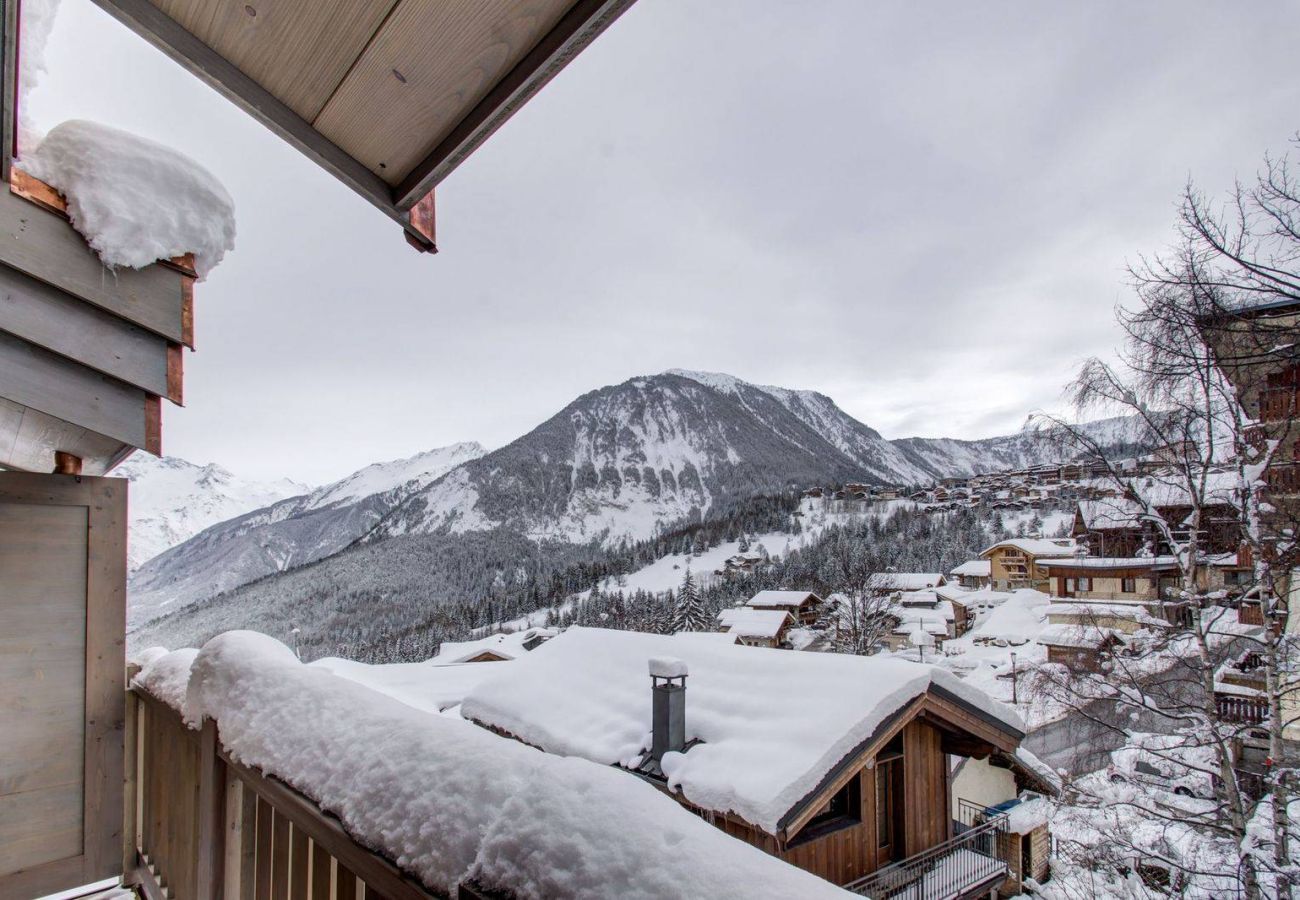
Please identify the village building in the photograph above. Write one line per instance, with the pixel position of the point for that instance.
(1014, 563)
(974, 573)
(493, 648)
(882, 583)
(852, 784)
(804, 606)
(756, 627)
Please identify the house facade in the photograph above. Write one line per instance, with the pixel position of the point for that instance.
(860, 816)
(1014, 563)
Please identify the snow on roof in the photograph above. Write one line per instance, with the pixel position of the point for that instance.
(918, 598)
(507, 644)
(1036, 546)
(781, 599)
(974, 568)
(426, 685)
(1079, 637)
(1025, 817)
(1020, 617)
(771, 730)
(904, 581)
(452, 801)
(135, 201)
(754, 623)
(1112, 562)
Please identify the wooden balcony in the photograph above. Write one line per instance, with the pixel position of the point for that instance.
(1279, 403)
(969, 864)
(201, 826)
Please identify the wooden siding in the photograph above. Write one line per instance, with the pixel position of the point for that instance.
(62, 605)
(849, 852)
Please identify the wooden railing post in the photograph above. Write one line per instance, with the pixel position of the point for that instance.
(131, 783)
(211, 863)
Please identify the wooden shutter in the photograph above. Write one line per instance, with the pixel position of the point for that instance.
(62, 691)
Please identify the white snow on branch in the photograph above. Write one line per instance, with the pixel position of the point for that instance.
(134, 200)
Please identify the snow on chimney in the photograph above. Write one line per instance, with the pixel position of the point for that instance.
(668, 686)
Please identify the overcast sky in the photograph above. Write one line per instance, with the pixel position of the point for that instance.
(922, 210)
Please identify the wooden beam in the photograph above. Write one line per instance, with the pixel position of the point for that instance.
(43, 245)
(225, 78)
(584, 21)
(8, 86)
(29, 439)
(50, 318)
(66, 463)
(32, 377)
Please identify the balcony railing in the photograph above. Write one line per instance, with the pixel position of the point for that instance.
(1241, 710)
(955, 868)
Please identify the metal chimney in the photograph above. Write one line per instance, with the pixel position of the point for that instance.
(668, 687)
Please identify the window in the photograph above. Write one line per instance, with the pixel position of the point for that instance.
(1085, 584)
(1128, 585)
(841, 810)
(1069, 585)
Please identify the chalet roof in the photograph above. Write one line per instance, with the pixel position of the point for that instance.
(754, 623)
(973, 568)
(772, 723)
(781, 599)
(389, 97)
(1036, 546)
(507, 645)
(1105, 563)
(905, 581)
(1078, 637)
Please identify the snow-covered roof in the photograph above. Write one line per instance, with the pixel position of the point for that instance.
(919, 598)
(426, 686)
(781, 599)
(904, 581)
(507, 645)
(1036, 546)
(451, 801)
(1079, 637)
(754, 623)
(974, 568)
(770, 728)
(1112, 562)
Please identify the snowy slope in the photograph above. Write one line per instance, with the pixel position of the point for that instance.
(171, 500)
(284, 534)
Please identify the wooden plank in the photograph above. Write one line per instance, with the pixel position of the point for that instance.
(345, 883)
(327, 832)
(210, 854)
(184, 48)
(425, 68)
(8, 86)
(36, 191)
(298, 864)
(66, 390)
(43, 245)
(322, 874)
(584, 21)
(299, 50)
(50, 318)
(264, 842)
(29, 439)
(279, 855)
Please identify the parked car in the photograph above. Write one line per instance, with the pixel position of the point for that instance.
(1170, 762)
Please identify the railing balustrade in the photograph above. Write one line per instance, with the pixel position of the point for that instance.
(945, 871)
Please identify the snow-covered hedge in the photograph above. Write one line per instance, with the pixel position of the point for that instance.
(448, 800)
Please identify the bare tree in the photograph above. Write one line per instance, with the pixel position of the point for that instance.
(1202, 335)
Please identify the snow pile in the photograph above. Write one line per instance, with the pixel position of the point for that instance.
(773, 722)
(1025, 817)
(667, 667)
(449, 801)
(166, 675)
(779, 599)
(134, 200)
(34, 27)
(426, 686)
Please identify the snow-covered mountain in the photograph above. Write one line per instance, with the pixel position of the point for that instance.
(172, 500)
(617, 462)
(261, 539)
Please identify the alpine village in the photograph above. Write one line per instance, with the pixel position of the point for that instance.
(692, 636)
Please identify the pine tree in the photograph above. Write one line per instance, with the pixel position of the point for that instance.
(690, 613)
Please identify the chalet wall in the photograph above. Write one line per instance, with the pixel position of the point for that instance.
(981, 783)
(925, 788)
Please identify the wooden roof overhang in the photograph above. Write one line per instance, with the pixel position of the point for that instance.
(389, 96)
(966, 729)
(1128, 570)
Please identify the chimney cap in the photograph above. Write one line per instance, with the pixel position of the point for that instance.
(667, 667)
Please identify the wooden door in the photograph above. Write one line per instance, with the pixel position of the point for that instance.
(889, 811)
(62, 672)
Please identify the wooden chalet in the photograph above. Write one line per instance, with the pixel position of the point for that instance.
(804, 606)
(389, 96)
(1013, 563)
(876, 818)
(757, 627)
